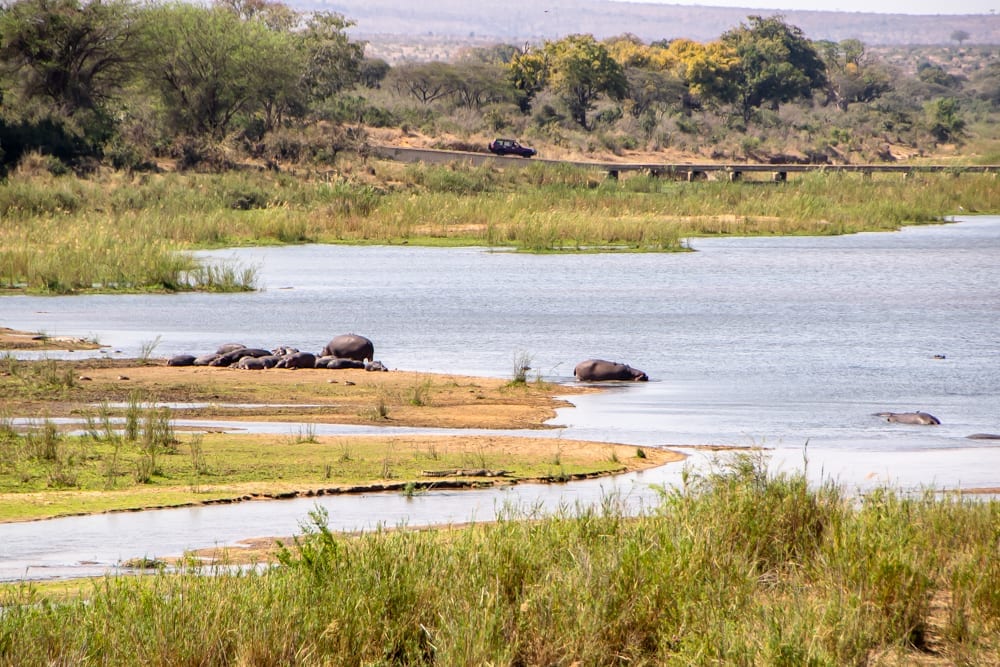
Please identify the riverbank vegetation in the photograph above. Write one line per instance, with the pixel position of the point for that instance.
(133, 133)
(738, 566)
(113, 233)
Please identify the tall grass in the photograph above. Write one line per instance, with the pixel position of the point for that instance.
(63, 234)
(40, 457)
(736, 567)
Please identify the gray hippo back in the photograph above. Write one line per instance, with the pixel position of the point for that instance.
(601, 370)
(918, 418)
(350, 346)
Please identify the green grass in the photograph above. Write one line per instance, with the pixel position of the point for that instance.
(736, 567)
(140, 461)
(64, 234)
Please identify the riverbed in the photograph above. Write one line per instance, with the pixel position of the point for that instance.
(787, 343)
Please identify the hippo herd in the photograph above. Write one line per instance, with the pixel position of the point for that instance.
(345, 351)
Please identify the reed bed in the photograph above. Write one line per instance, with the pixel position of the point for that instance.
(736, 567)
(64, 234)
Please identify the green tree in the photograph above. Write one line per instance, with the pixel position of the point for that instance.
(527, 73)
(943, 119)
(580, 71)
(333, 62)
(478, 84)
(274, 15)
(426, 81)
(67, 55)
(210, 66)
(936, 75)
(709, 70)
(649, 89)
(372, 71)
(852, 76)
(959, 36)
(777, 64)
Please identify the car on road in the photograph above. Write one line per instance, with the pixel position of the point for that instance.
(510, 147)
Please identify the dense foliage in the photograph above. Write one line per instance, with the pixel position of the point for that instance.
(131, 83)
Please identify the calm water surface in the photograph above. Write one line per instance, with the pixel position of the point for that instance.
(789, 343)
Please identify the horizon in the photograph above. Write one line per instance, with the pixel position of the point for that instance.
(909, 7)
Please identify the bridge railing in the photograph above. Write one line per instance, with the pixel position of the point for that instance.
(734, 171)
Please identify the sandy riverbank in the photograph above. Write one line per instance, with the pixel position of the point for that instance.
(222, 462)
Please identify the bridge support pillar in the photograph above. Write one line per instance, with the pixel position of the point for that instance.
(735, 176)
(695, 175)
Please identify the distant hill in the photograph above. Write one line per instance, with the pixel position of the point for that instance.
(517, 21)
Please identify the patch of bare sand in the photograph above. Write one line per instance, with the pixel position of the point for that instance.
(348, 396)
(11, 339)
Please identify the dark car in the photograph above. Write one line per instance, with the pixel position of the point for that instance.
(510, 147)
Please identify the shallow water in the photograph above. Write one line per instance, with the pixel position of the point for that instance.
(789, 343)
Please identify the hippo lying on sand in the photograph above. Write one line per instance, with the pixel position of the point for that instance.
(182, 360)
(599, 370)
(919, 418)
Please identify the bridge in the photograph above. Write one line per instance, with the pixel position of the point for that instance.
(732, 171)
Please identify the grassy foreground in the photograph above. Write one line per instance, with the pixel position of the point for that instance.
(736, 567)
(116, 232)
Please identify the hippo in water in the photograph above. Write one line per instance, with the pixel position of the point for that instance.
(919, 418)
(598, 370)
(350, 346)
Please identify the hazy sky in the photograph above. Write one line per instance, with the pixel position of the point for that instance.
(880, 6)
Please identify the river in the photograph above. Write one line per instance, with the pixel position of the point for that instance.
(789, 343)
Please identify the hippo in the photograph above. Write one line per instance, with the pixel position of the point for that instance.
(230, 358)
(350, 346)
(249, 363)
(336, 363)
(919, 418)
(205, 359)
(376, 366)
(297, 360)
(284, 350)
(984, 436)
(226, 348)
(595, 370)
(182, 360)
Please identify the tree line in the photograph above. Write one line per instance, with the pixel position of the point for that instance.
(124, 81)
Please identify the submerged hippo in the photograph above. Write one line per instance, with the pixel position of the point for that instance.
(919, 418)
(350, 346)
(598, 370)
